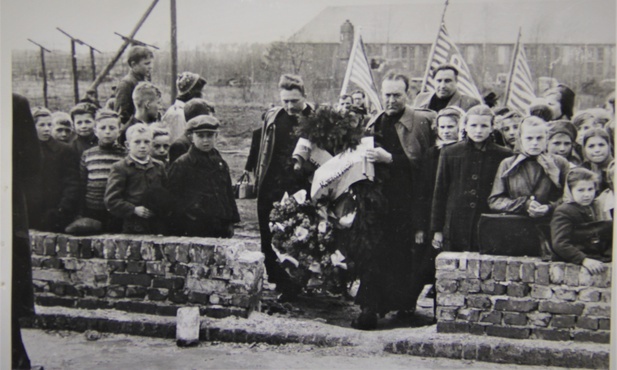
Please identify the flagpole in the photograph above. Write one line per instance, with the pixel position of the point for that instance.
(512, 65)
(348, 70)
(432, 53)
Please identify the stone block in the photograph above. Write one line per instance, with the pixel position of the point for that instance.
(136, 267)
(513, 271)
(215, 299)
(207, 286)
(528, 272)
(468, 314)
(446, 262)
(156, 267)
(550, 334)
(200, 253)
(134, 291)
(200, 298)
(169, 252)
(590, 323)
(155, 294)
(562, 293)
(584, 278)
(98, 247)
(599, 336)
(178, 296)
(598, 309)
(130, 279)
(478, 301)
(37, 243)
(187, 326)
(49, 245)
(518, 290)
(603, 279)
(470, 286)
(122, 248)
(452, 327)
(514, 318)
(450, 274)
(563, 321)
(40, 286)
(539, 319)
(446, 286)
(473, 268)
(604, 324)
(180, 269)
(508, 332)
(542, 274)
(220, 273)
(50, 275)
(109, 249)
(486, 269)
(168, 283)
(133, 252)
(116, 266)
(182, 252)
(606, 296)
(564, 308)
(572, 273)
(51, 263)
(493, 317)
(499, 270)
(456, 300)
(541, 291)
(514, 304)
(150, 251)
(61, 246)
(492, 287)
(557, 272)
(116, 291)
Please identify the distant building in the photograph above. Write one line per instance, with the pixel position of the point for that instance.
(570, 40)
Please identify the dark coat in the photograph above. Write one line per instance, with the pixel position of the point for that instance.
(458, 100)
(53, 195)
(81, 144)
(251, 160)
(464, 181)
(26, 164)
(178, 148)
(201, 184)
(567, 229)
(124, 96)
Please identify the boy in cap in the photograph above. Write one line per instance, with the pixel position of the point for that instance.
(201, 183)
(83, 122)
(140, 61)
(62, 127)
(189, 87)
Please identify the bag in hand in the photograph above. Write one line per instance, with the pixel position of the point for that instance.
(244, 189)
(511, 235)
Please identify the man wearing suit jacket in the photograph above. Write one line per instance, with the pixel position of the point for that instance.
(446, 93)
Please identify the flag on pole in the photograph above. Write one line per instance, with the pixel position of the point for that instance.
(359, 72)
(444, 51)
(519, 88)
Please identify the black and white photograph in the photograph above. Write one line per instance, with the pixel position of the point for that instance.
(297, 184)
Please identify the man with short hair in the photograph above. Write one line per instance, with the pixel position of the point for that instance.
(147, 100)
(446, 92)
(359, 100)
(344, 103)
(274, 172)
(402, 136)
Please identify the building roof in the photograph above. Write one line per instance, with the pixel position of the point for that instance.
(470, 22)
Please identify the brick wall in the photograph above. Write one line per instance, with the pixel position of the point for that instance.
(521, 297)
(147, 274)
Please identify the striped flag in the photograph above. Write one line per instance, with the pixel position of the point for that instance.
(359, 72)
(444, 51)
(519, 88)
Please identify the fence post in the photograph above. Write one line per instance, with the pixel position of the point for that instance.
(75, 75)
(43, 50)
(174, 51)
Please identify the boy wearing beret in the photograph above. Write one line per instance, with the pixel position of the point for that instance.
(201, 183)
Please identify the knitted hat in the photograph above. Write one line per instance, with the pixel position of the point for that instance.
(561, 127)
(188, 81)
(203, 123)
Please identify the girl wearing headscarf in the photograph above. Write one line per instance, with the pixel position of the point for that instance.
(577, 237)
(561, 141)
(531, 181)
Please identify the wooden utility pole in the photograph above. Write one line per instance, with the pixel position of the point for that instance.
(43, 50)
(174, 51)
(123, 47)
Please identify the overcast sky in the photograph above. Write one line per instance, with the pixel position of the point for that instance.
(199, 21)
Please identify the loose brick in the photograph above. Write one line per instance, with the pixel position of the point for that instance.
(473, 268)
(564, 294)
(513, 271)
(187, 331)
(470, 286)
(156, 267)
(135, 292)
(557, 272)
(542, 274)
(499, 270)
(478, 301)
(200, 298)
(182, 252)
(541, 291)
(585, 322)
(592, 336)
(486, 269)
(563, 321)
(539, 319)
(572, 273)
(446, 286)
(598, 309)
(507, 332)
(518, 290)
(528, 272)
(446, 313)
(116, 291)
(493, 317)
(561, 307)
(516, 305)
(131, 279)
(169, 283)
(514, 318)
(551, 334)
(604, 324)
(468, 314)
(492, 287)
(136, 267)
(157, 294)
(456, 300)
(589, 295)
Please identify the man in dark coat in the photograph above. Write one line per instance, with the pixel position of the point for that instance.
(274, 172)
(446, 92)
(26, 164)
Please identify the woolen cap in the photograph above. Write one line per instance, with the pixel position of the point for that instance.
(188, 81)
(561, 127)
(203, 123)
